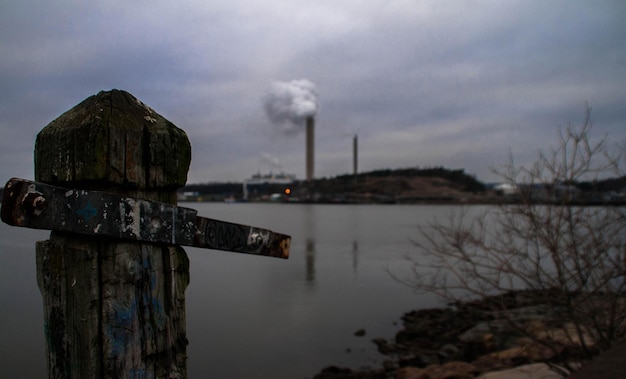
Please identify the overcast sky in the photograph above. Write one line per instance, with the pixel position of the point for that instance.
(458, 84)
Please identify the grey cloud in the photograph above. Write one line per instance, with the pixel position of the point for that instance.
(457, 83)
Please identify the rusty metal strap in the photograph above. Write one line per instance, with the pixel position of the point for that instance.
(42, 206)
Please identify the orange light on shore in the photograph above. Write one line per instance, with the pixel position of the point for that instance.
(287, 191)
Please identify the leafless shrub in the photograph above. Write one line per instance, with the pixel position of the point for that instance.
(572, 256)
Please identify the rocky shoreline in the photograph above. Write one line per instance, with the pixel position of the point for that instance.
(475, 339)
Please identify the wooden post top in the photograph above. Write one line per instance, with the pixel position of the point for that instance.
(113, 140)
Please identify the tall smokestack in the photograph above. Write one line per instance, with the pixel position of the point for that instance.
(355, 158)
(310, 148)
(289, 103)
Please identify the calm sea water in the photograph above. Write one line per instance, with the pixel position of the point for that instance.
(258, 317)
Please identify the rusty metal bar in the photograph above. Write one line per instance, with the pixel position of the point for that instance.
(42, 206)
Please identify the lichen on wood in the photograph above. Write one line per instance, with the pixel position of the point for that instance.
(113, 138)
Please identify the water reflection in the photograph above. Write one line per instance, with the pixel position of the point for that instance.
(355, 223)
(310, 260)
(355, 256)
(310, 230)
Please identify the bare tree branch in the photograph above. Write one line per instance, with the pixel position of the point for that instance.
(575, 252)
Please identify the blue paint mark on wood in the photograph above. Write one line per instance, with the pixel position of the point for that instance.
(120, 329)
(140, 374)
(87, 212)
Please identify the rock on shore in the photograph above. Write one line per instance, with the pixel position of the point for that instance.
(513, 331)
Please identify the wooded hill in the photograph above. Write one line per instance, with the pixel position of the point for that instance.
(399, 185)
(377, 186)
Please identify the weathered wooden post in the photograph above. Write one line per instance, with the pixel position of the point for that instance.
(112, 274)
(113, 309)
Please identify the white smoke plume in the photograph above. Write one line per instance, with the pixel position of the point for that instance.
(271, 161)
(288, 103)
